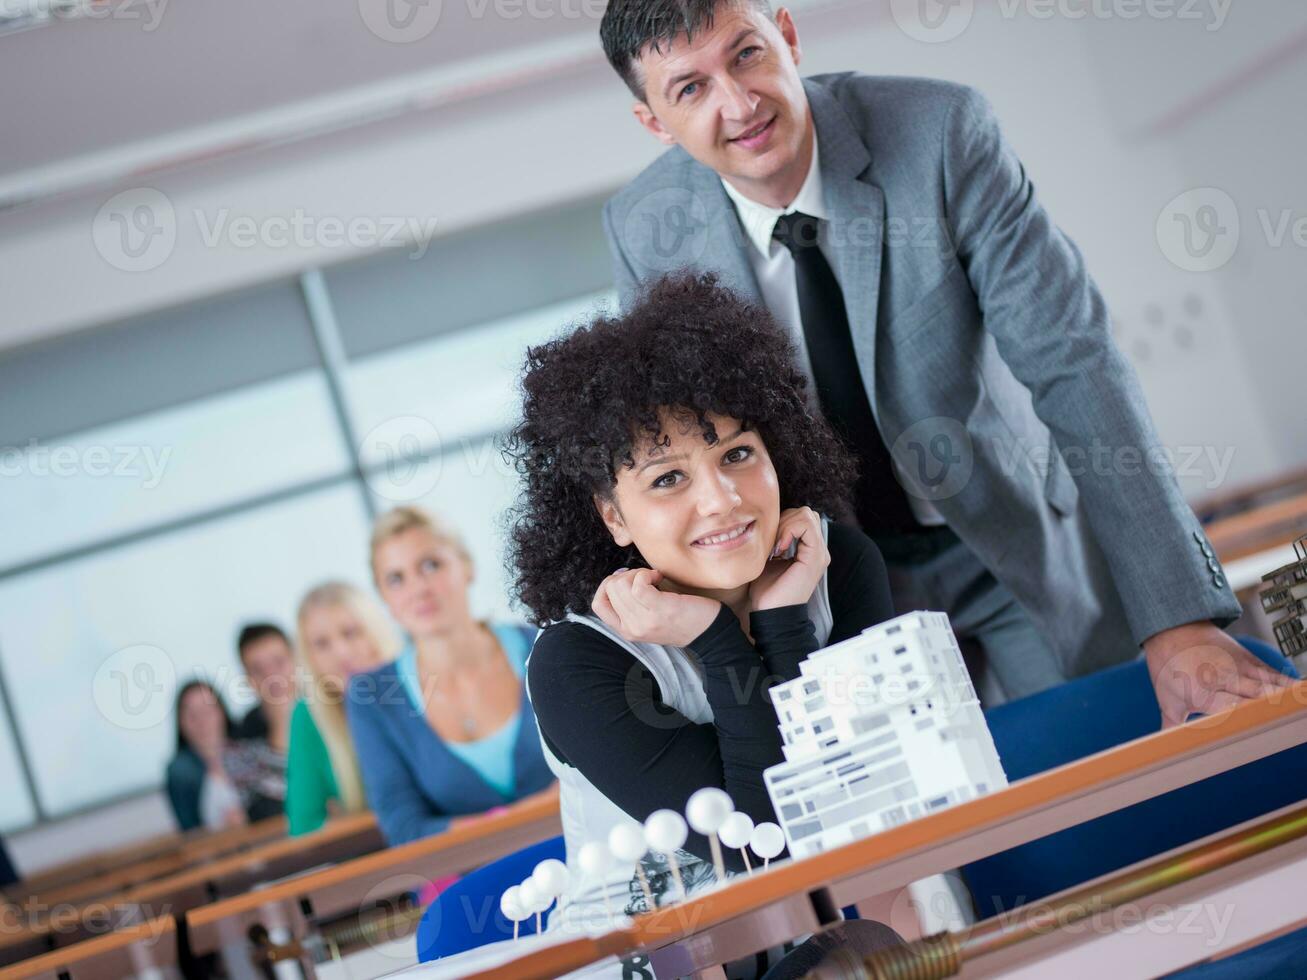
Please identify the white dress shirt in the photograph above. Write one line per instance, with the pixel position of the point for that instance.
(773, 266)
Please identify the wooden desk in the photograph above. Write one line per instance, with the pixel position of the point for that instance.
(89, 865)
(49, 926)
(209, 843)
(109, 871)
(149, 946)
(343, 837)
(301, 904)
(799, 897)
(1218, 507)
(1260, 530)
(110, 882)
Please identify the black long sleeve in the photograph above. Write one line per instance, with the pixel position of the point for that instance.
(601, 711)
(858, 583)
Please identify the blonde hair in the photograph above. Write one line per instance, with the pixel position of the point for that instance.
(398, 520)
(328, 708)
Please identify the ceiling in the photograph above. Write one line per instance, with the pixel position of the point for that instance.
(132, 73)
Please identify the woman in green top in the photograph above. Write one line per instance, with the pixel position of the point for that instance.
(341, 631)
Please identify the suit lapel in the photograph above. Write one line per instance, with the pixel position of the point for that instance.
(857, 210)
(726, 247)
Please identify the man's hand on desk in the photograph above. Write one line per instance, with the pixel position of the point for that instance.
(1198, 669)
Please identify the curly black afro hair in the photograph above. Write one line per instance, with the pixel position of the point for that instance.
(689, 346)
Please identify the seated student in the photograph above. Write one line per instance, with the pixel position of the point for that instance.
(255, 763)
(672, 542)
(216, 780)
(204, 730)
(269, 664)
(340, 632)
(446, 730)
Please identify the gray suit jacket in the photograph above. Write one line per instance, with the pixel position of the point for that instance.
(986, 351)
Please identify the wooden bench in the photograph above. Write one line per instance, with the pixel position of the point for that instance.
(108, 871)
(1260, 530)
(146, 948)
(1242, 499)
(298, 908)
(48, 926)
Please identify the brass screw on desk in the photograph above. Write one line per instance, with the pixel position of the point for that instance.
(932, 958)
(942, 955)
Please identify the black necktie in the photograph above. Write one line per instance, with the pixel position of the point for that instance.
(881, 505)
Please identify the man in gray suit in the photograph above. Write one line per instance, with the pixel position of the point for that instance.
(1010, 472)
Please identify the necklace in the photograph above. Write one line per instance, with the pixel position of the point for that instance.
(467, 723)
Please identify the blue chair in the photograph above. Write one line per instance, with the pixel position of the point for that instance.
(466, 914)
(1095, 713)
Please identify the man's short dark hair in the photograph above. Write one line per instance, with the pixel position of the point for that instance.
(628, 26)
(252, 633)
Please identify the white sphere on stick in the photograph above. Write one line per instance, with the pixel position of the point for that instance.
(550, 876)
(665, 831)
(708, 808)
(767, 841)
(510, 903)
(736, 830)
(530, 896)
(626, 841)
(594, 857)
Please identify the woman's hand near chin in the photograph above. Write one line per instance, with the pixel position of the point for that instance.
(631, 603)
(791, 581)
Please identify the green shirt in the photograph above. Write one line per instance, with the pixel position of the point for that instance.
(310, 782)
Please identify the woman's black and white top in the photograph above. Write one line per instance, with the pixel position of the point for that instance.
(629, 728)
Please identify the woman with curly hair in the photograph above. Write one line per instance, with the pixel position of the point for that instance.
(671, 543)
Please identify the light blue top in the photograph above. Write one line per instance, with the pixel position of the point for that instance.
(491, 756)
(415, 782)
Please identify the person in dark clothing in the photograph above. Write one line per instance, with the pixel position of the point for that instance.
(683, 541)
(268, 660)
(8, 873)
(204, 728)
(216, 779)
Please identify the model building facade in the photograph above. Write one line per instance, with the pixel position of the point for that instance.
(879, 729)
(1284, 599)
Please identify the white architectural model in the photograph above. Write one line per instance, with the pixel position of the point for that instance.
(879, 729)
(1285, 595)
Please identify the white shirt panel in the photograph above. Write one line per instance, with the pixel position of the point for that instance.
(773, 266)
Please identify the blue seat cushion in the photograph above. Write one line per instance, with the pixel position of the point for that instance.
(466, 914)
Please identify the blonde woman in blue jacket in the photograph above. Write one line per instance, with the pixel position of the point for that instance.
(446, 732)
